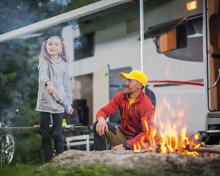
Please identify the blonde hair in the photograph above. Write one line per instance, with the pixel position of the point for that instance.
(44, 54)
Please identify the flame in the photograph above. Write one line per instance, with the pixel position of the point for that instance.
(170, 136)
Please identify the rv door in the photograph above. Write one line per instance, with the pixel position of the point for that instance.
(100, 89)
(212, 13)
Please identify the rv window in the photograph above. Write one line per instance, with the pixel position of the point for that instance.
(192, 51)
(176, 38)
(84, 46)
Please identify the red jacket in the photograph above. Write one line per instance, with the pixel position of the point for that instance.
(134, 118)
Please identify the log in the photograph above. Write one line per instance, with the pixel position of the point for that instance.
(36, 130)
(19, 130)
(136, 163)
(205, 150)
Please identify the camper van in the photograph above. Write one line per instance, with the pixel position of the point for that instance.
(175, 42)
(181, 57)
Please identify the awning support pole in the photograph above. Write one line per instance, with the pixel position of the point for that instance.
(142, 32)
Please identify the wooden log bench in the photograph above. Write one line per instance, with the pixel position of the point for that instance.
(74, 135)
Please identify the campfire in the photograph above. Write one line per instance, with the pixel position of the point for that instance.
(170, 135)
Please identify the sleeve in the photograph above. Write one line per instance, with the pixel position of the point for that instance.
(110, 108)
(67, 86)
(43, 71)
(147, 123)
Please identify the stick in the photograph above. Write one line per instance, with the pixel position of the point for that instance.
(59, 101)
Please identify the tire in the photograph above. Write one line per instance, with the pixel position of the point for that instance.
(7, 149)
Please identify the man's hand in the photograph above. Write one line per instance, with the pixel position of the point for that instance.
(50, 87)
(101, 126)
(119, 147)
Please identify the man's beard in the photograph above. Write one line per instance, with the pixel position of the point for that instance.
(127, 90)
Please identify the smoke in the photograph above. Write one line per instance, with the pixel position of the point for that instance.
(53, 4)
(15, 14)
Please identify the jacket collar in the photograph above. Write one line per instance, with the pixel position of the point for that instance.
(137, 99)
(54, 61)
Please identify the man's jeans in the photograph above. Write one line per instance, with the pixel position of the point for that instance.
(112, 137)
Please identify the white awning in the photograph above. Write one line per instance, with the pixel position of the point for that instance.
(74, 14)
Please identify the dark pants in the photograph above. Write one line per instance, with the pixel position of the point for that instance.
(113, 137)
(48, 133)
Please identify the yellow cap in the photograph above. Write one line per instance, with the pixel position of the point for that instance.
(135, 75)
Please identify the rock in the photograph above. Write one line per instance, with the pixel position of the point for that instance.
(137, 162)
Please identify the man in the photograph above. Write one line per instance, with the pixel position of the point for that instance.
(136, 115)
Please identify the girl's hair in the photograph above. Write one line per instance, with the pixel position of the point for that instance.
(44, 54)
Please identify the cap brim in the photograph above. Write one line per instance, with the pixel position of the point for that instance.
(123, 75)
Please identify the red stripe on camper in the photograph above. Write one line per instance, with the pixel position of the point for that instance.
(177, 82)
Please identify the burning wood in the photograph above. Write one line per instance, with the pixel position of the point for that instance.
(170, 136)
(200, 152)
(205, 150)
(183, 144)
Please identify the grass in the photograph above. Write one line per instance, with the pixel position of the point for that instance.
(32, 170)
(18, 170)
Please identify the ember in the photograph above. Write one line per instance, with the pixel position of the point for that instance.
(170, 136)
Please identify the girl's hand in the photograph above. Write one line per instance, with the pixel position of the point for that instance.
(50, 87)
(70, 109)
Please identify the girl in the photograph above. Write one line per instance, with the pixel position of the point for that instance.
(53, 80)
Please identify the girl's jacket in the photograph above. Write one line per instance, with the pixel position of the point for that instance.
(57, 72)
